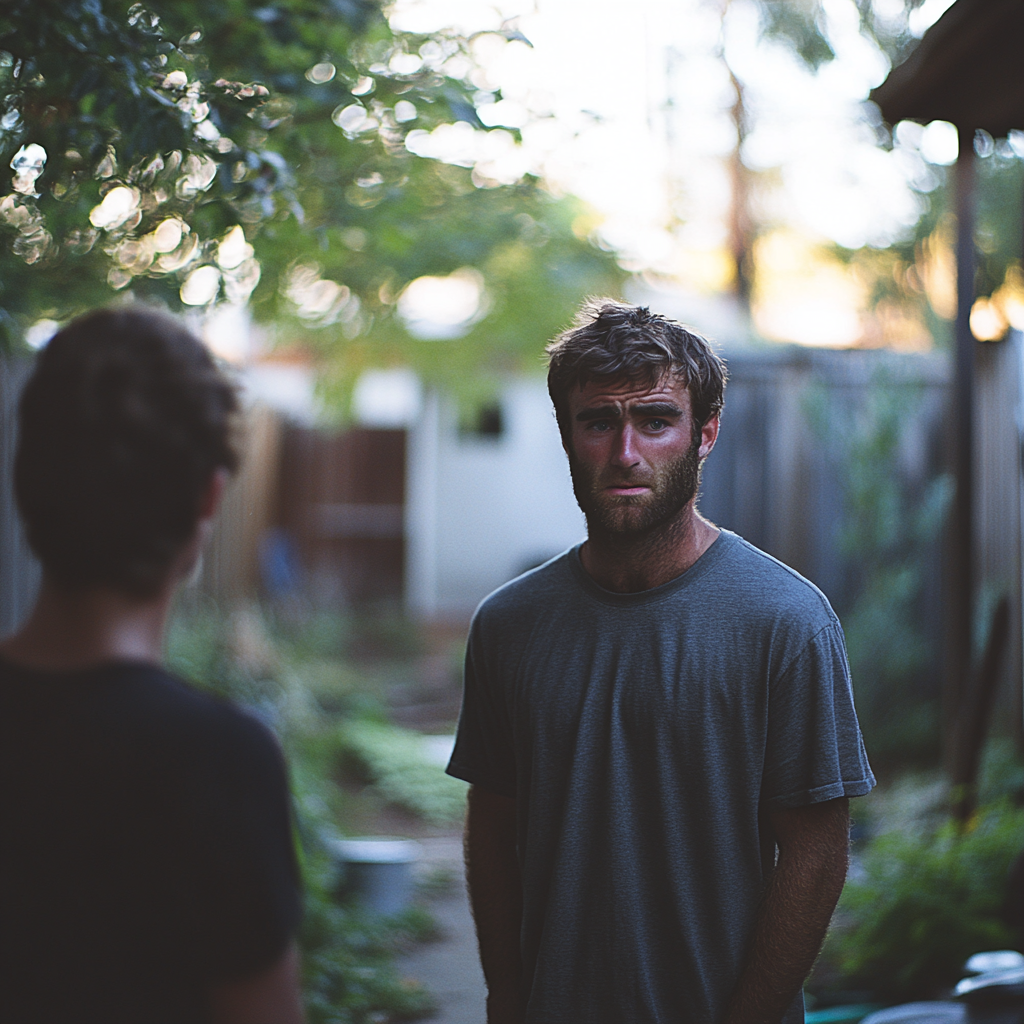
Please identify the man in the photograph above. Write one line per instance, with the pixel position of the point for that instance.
(647, 719)
(147, 871)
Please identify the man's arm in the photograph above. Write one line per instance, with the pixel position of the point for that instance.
(496, 895)
(814, 846)
(270, 997)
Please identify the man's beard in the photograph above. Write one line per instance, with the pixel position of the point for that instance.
(671, 488)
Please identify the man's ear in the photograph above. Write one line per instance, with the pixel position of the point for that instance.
(209, 504)
(708, 436)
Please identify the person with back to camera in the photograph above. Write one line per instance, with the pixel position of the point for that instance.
(649, 720)
(147, 869)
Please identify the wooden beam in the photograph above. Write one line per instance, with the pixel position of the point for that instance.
(960, 542)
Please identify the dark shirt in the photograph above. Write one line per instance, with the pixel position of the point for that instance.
(643, 737)
(145, 847)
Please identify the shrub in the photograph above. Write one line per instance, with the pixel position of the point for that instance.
(887, 535)
(397, 760)
(920, 905)
(348, 956)
(348, 971)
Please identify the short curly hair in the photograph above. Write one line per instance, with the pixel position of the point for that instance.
(122, 425)
(611, 340)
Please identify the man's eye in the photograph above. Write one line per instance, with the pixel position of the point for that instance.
(657, 424)
(599, 425)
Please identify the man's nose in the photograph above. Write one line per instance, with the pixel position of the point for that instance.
(624, 453)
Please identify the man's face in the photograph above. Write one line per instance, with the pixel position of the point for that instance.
(634, 454)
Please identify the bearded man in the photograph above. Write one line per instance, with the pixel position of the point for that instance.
(658, 726)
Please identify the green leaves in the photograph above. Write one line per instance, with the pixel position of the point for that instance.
(803, 25)
(397, 761)
(923, 903)
(889, 522)
(179, 122)
(428, 218)
(798, 23)
(204, 111)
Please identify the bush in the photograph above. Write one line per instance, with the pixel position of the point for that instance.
(397, 761)
(889, 528)
(300, 687)
(348, 972)
(920, 905)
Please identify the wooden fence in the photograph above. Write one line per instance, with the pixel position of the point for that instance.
(778, 478)
(342, 501)
(231, 570)
(998, 435)
(777, 474)
(774, 477)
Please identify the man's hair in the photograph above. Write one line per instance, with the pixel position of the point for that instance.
(611, 340)
(123, 423)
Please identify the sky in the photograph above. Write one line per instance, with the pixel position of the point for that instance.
(628, 107)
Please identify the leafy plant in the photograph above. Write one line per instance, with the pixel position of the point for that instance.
(1001, 775)
(403, 772)
(921, 903)
(888, 526)
(348, 956)
(349, 975)
(187, 117)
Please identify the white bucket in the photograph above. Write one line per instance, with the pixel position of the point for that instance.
(378, 871)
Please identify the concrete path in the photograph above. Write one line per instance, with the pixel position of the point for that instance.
(449, 967)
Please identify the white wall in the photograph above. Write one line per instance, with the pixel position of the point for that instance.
(481, 510)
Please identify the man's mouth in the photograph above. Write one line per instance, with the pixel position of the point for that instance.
(626, 490)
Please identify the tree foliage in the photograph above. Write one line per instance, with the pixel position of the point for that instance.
(803, 25)
(898, 275)
(519, 241)
(212, 149)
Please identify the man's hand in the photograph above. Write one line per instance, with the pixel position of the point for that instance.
(495, 893)
(814, 844)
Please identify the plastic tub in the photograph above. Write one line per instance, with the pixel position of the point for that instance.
(377, 871)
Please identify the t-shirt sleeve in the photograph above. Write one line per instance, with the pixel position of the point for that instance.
(814, 749)
(247, 893)
(484, 755)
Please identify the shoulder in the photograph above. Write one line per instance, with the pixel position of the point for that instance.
(755, 581)
(174, 716)
(521, 600)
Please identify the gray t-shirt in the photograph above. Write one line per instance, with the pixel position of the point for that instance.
(643, 736)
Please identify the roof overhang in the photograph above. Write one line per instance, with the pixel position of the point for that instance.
(968, 69)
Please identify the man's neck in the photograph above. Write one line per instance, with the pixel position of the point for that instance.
(630, 563)
(75, 629)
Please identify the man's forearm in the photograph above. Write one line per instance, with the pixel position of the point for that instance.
(495, 893)
(794, 916)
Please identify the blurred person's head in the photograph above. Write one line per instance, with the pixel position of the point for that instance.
(612, 341)
(124, 424)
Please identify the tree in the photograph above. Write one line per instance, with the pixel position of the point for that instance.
(904, 275)
(803, 26)
(518, 245)
(210, 149)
